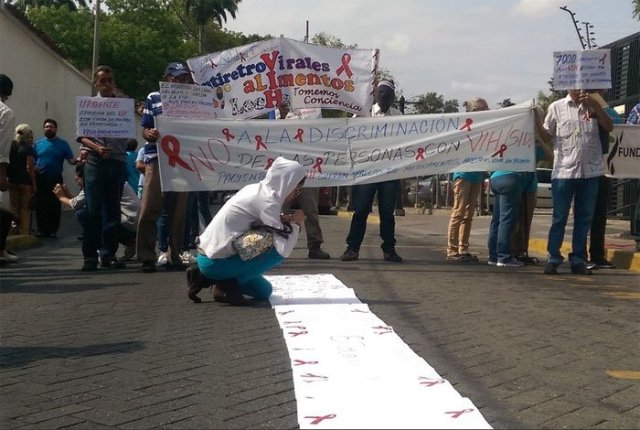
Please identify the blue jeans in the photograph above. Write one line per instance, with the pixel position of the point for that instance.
(103, 181)
(247, 273)
(362, 203)
(583, 192)
(197, 205)
(507, 190)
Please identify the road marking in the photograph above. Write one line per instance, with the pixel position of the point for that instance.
(624, 374)
(624, 295)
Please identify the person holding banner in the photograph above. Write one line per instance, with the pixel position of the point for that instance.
(387, 191)
(7, 127)
(105, 173)
(573, 123)
(153, 198)
(466, 189)
(218, 261)
(308, 201)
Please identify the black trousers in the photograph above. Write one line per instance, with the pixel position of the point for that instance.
(599, 222)
(5, 226)
(47, 204)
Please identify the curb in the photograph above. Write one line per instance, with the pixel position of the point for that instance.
(622, 259)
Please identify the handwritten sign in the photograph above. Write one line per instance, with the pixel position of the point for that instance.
(583, 70)
(223, 155)
(187, 101)
(253, 79)
(105, 117)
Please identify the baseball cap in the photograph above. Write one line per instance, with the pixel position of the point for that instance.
(176, 69)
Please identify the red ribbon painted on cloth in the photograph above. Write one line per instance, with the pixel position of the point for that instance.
(420, 154)
(227, 134)
(500, 151)
(311, 375)
(171, 146)
(299, 135)
(260, 143)
(346, 59)
(384, 329)
(318, 165)
(429, 382)
(269, 163)
(298, 362)
(283, 312)
(298, 333)
(456, 414)
(467, 124)
(318, 420)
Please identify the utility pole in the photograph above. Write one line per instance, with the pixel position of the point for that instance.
(96, 44)
(575, 24)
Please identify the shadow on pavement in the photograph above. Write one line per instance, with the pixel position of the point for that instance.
(20, 355)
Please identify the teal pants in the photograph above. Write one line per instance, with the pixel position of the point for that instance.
(247, 273)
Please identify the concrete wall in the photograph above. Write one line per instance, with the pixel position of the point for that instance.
(45, 84)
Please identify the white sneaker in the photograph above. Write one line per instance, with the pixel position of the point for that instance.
(187, 257)
(7, 257)
(512, 262)
(492, 262)
(162, 259)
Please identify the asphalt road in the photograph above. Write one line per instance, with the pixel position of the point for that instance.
(129, 350)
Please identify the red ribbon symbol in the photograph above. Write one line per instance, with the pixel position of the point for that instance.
(456, 414)
(269, 163)
(500, 151)
(359, 310)
(428, 382)
(299, 135)
(171, 147)
(283, 312)
(318, 420)
(260, 143)
(384, 329)
(318, 165)
(601, 61)
(298, 333)
(346, 58)
(227, 134)
(311, 375)
(467, 124)
(302, 362)
(420, 154)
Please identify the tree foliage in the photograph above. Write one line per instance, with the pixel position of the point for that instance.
(138, 38)
(434, 103)
(204, 11)
(506, 103)
(636, 9)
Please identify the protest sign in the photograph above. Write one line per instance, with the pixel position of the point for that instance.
(253, 79)
(582, 70)
(623, 159)
(105, 117)
(198, 155)
(187, 101)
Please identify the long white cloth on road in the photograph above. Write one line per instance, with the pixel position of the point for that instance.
(351, 370)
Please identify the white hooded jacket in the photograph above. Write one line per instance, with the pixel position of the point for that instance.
(255, 202)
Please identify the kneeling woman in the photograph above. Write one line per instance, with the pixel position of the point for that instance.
(218, 261)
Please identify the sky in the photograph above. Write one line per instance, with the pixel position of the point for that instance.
(495, 49)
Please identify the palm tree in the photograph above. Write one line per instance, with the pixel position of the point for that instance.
(205, 10)
(636, 9)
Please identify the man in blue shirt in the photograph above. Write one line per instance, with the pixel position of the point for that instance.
(51, 151)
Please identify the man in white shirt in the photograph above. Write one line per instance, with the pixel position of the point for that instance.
(573, 124)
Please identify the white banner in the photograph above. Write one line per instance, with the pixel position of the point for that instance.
(582, 70)
(251, 80)
(199, 155)
(623, 160)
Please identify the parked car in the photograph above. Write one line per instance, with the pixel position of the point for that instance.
(544, 188)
